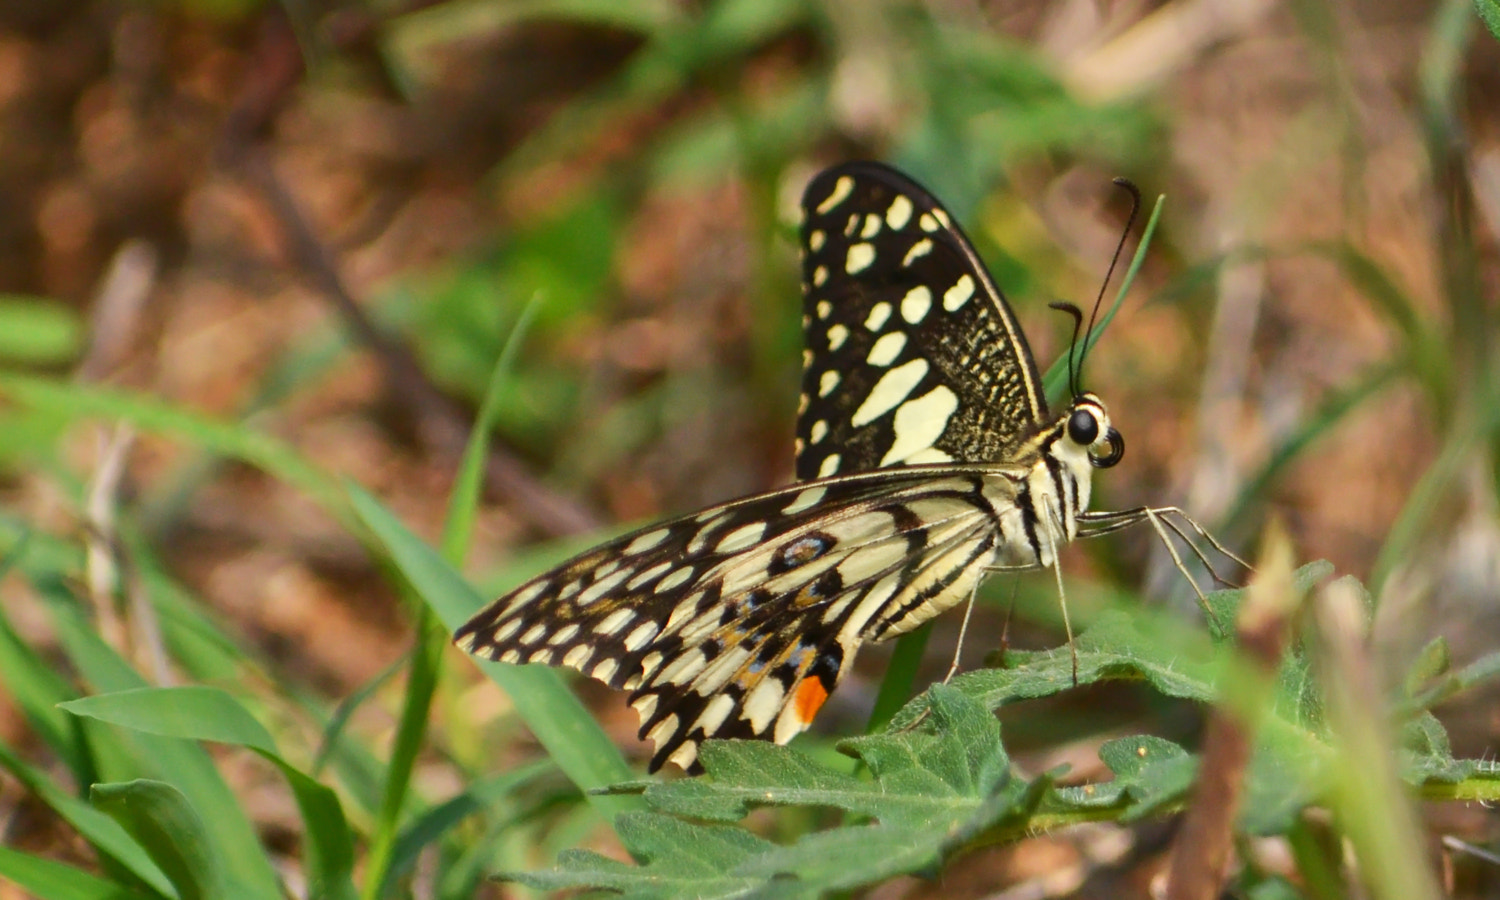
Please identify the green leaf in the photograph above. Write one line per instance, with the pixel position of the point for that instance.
(185, 765)
(934, 792)
(678, 859)
(104, 833)
(37, 330)
(55, 881)
(210, 714)
(162, 821)
(1489, 14)
(195, 712)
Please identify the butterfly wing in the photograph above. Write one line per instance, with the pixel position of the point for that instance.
(739, 621)
(912, 354)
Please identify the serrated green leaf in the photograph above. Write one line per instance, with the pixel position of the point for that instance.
(1489, 14)
(934, 790)
(162, 821)
(678, 859)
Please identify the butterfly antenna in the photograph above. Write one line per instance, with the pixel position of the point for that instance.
(1135, 208)
(1077, 314)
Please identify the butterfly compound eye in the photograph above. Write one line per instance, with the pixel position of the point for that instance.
(1083, 428)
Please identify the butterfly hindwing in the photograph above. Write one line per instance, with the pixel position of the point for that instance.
(912, 354)
(740, 620)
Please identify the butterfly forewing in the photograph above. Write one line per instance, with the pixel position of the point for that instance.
(740, 620)
(912, 354)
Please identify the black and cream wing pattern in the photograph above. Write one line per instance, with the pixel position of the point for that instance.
(912, 354)
(739, 621)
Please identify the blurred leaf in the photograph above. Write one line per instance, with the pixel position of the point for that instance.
(209, 714)
(38, 331)
(150, 414)
(560, 722)
(104, 833)
(185, 765)
(162, 821)
(55, 881)
(194, 712)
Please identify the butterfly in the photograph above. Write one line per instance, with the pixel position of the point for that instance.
(927, 458)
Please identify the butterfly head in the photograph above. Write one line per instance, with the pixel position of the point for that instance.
(1088, 429)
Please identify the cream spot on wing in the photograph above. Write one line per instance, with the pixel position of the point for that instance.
(805, 500)
(535, 633)
(892, 388)
(683, 611)
(887, 349)
(527, 594)
(684, 755)
(859, 258)
(647, 541)
(841, 190)
(563, 634)
(824, 308)
(819, 430)
(741, 538)
(606, 669)
(956, 296)
(803, 402)
(929, 455)
(872, 226)
(714, 714)
(650, 662)
(797, 446)
(614, 621)
(879, 313)
(511, 656)
(919, 423)
(647, 575)
(816, 240)
(899, 212)
(575, 658)
(919, 249)
(601, 587)
(807, 358)
(943, 217)
(837, 334)
(684, 668)
(642, 634)
(663, 730)
(915, 304)
(927, 222)
(676, 579)
(763, 703)
(851, 225)
(830, 466)
(820, 275)
(506, 630)
(542, 656)
(827, 383)
(872, 561)
(646, 706)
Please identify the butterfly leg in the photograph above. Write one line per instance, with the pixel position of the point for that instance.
(963, 629)
(1055, 519)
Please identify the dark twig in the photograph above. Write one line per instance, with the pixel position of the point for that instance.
(441, 424)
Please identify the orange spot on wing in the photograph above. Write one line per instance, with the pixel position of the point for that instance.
(809, 699)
